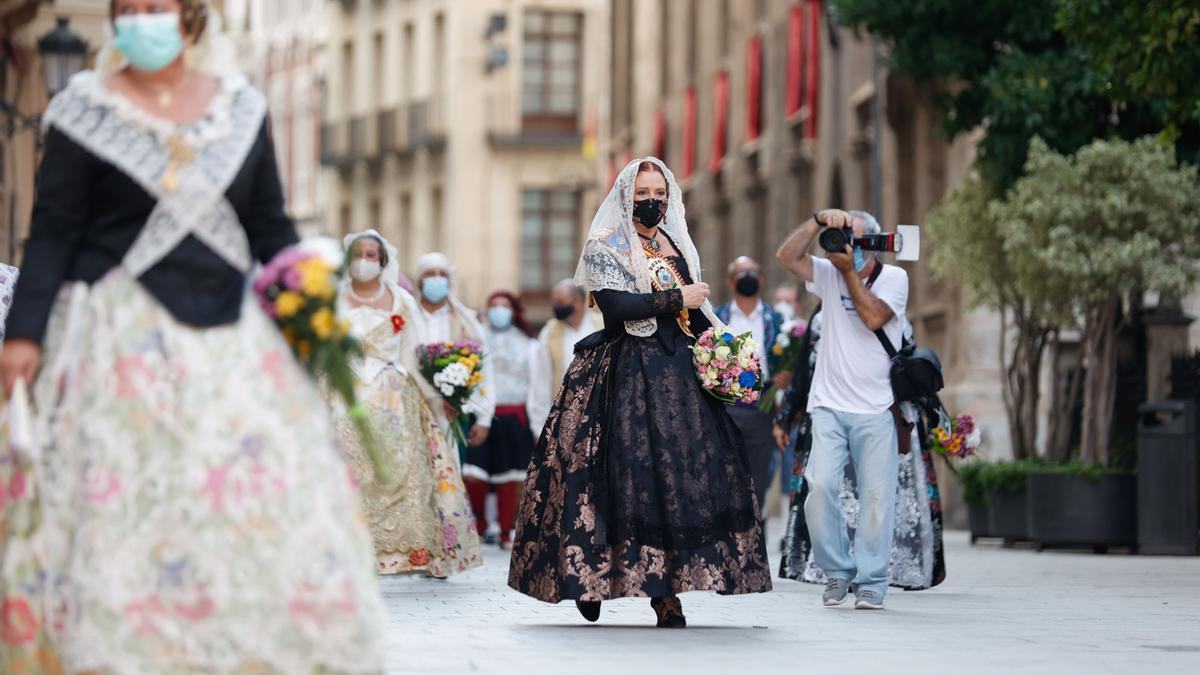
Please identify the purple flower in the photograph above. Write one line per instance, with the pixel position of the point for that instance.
(450, 533)
(292, 279)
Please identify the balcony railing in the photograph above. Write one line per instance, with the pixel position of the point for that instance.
(364, 138)
(427, 123)
(405, 128)
(335, 147)
(509, 126)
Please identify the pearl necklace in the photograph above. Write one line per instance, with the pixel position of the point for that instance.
(367, 301)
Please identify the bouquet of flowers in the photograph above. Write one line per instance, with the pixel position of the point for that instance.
(298, 289)
(728, 366)
(957, 437)
(453, 368)
(787, 352)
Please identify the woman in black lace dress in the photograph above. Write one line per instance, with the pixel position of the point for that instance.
(639, 486)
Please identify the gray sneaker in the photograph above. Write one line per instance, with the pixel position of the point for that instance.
(835, 592)
(868, 600)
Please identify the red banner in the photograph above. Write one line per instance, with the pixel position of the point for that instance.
(795, 59)
(720, 121)
(689, 131)
(660, 134)
(813, 77)
(754, 88)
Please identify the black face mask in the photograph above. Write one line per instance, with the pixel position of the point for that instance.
(649, 212)
(563, 312)
(746, 285)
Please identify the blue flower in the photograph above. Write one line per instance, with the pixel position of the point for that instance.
(747, 379)
(727, 338)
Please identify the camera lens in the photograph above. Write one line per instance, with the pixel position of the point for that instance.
(833, 240)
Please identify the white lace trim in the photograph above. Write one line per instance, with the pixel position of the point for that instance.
(136, 142)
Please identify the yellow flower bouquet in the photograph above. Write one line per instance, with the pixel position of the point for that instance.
(298, 289)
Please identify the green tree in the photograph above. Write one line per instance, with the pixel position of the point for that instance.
(1146, 50)
(969, 248)
(1115, 219)
(1001, 65)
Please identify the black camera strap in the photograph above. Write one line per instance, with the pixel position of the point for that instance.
(883, 338)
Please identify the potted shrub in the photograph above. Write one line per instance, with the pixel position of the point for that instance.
(979, 517)
(1077, 504)
(1006, 490)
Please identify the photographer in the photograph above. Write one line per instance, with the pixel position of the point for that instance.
(849, 404)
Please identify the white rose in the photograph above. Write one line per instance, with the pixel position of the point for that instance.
(722, 353)
(447, 390)
(712, 375)
(703, 356)
(744, 360)
(750, 345)
(783, 340)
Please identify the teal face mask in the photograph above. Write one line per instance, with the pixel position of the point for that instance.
(435, 289)
(150, 42)
(859, 261)
(500, 317)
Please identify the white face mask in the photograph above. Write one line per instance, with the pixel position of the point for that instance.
(364, 270)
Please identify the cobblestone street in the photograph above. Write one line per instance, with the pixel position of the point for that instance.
(1000, 610)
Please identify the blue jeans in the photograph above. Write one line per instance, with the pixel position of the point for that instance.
(870, 442)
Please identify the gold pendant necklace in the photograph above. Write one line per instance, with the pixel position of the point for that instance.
(652, 242)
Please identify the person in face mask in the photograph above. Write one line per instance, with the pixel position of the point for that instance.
(522, 394)
(446, 318)
(215, 451)
(748, 313)
(410, 514)
(571, 323)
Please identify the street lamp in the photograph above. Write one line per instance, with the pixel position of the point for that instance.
(63, 55)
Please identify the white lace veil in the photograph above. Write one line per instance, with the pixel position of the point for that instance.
(214, 53)
(390, 272)
(613, 258)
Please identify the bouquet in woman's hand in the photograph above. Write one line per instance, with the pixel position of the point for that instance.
(955, 437)
(453, 368)
(298, 289)
(728, 366)
(786, 350)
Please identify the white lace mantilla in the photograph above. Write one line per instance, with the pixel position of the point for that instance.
(613, 258)
(187, 168)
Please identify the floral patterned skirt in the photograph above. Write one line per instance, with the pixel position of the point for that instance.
(421, 520)
(197, 516)
(917, 561)
(638, 486)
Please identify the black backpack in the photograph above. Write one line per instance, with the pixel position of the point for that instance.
(916, 372)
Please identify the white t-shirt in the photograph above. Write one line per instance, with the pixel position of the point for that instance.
(852, 367)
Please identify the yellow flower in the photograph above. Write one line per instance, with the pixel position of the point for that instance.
(475, 379)
(316, 278)
(444, 487)
(777, 350)
(289, 335)
(322, 323)
(342, 328)
(288, 303)
(303, 350)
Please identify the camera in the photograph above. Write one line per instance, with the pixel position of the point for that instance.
(905, 242)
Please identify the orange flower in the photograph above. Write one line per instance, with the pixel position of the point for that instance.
(19, 625)
(419, 558)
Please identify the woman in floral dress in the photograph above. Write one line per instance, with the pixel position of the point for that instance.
(420, 519)
(196, 516)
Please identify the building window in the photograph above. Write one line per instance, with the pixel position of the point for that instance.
(549, 237)
(551, 65)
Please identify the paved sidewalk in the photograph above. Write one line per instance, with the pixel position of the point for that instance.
(1000, 610)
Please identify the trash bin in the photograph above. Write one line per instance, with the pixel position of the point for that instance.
(1168, 478)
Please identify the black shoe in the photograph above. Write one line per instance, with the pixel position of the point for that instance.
(590, 609)
(669, 612)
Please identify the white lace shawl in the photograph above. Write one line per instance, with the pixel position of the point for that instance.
(114, 129)
(613, 258)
